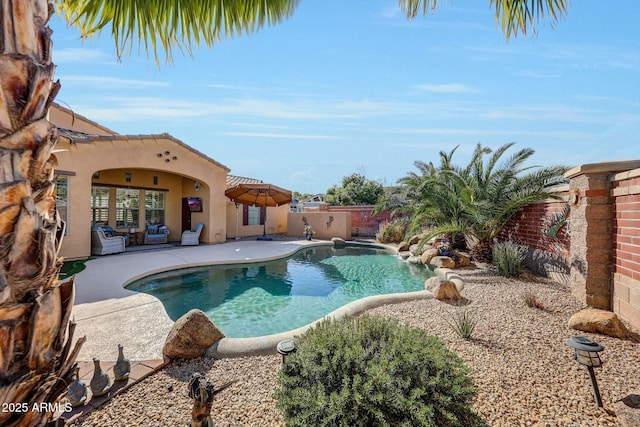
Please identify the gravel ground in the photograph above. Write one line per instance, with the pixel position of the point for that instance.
(525, 373)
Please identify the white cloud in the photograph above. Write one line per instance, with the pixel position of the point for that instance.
(278, 135)
(447, 88)
(106, 82)
(81, 55)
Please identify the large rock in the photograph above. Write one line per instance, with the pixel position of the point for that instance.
(442, 261)
(428, 255)
(338, 242)
(442, 288)
(415, 249)
(462, 259)
(413, 259)
(600, 322)
(404, 246)
(191, 336)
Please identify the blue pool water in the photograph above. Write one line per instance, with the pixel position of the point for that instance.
(248, 300)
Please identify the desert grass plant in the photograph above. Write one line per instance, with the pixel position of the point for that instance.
(463, 322)
(509, 257)
(374, 371)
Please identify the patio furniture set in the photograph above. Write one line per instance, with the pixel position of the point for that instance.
(105, 240)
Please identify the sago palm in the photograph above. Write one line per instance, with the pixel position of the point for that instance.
(36, 350)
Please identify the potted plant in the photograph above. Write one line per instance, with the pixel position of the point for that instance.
(308, 232)
(444, 247)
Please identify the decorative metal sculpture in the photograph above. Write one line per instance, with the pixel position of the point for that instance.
(100, 383)
(202, 393)
(122, 368)
(77, 390)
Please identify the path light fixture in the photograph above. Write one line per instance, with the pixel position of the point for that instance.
(587, 354)
(285, 348)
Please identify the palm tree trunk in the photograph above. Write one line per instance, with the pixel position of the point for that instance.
(482, 251)
(36, 360)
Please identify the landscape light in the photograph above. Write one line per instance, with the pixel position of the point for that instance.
(285, 348)
(587, 354)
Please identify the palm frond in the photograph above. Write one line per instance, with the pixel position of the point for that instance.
(162, 25)
(514, 16)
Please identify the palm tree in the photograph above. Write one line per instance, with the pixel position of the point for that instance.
(36, 354)
(481, 198)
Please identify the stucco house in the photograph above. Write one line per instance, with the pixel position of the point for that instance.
(130, 181)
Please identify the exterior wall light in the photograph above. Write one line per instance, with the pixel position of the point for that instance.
(285, 348)
(587, 354)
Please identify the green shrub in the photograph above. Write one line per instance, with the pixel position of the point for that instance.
(509, 257)
(463, 323)
(373, 371)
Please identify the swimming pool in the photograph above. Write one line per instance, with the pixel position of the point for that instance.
(256, 299)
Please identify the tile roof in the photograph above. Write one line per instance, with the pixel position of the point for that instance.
(235, 180)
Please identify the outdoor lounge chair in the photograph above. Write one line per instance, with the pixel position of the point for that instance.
(103, 245)
(110, 232)
(192, 237)
(155, 234)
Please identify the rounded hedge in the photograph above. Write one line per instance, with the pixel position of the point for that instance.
(373, 371)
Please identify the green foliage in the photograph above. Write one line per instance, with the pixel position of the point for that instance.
(509, 257)
(463, 323)
(356, 189)
(393, 232)
(479, 199)
(373, 371)
(164, 25)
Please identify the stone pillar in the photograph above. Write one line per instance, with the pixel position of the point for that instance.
(591, 239)
(591, 253)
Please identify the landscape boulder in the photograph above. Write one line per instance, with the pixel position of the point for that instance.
(404, 254)
(442, 261)
(428, 255)
(442, 289)
(415, 249)
(191, 336)
(403, 246)
(413, 259)
(338, 242)
(600, 322)
(461, 259)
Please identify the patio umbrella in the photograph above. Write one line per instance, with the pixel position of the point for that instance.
(261, 195)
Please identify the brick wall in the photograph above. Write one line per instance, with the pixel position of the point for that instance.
(526, 228)
(546, 255)
(626, 245)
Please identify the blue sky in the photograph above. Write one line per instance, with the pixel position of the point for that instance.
(352, 86)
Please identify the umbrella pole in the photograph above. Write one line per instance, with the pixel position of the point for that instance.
(237, 207)
(264, 229)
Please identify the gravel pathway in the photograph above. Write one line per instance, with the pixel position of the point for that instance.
(525, 373)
